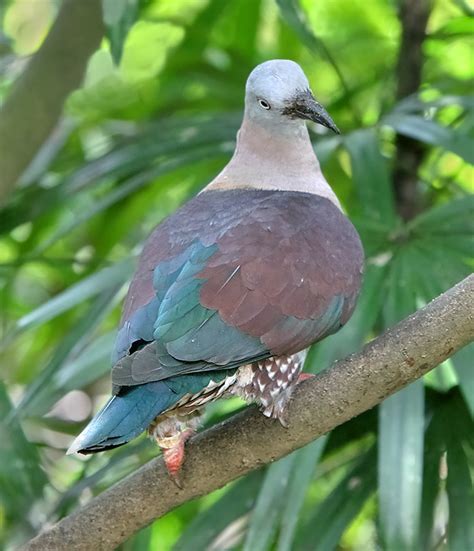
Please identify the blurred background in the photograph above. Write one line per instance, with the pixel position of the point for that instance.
(155, 118)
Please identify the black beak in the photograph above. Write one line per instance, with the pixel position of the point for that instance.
(305, 106)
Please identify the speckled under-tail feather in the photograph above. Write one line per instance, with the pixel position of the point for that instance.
(268, 383)
(233, 288)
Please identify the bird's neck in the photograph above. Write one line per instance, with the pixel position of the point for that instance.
(267, 158)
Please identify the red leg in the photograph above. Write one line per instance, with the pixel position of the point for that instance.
(173, 453)
(304, 376)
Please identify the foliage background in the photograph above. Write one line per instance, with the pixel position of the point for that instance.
(154, 121)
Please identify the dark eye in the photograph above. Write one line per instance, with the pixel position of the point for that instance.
(264, 104)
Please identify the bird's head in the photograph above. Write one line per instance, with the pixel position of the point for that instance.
(278, 91)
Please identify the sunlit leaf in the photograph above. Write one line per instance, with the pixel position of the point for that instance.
(456, 217)
(119, 16)
(460, 490)
(371, 177)
(21, 477)
(400, 466)
(41, 394)
(325, 528)
(304, 466)
(140, 541)
(269, 504)
(431, 132)
(295, 18)
(232, 506)
(463, 361)
(76, 294)
(401, 432)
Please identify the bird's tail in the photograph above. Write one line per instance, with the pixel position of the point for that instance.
(128, 414)
(124, 417)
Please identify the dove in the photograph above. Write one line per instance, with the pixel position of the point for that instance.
(234, 287)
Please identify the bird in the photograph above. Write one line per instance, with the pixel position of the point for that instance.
(234, 287)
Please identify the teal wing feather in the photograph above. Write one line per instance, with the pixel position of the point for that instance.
(232, 277)
(185, 336)
(270, 276)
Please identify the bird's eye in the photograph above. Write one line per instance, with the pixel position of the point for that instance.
(264, 104)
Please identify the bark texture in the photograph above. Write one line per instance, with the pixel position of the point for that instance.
(248, 440)
(36, 100)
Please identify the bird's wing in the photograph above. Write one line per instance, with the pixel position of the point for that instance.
(263, 273)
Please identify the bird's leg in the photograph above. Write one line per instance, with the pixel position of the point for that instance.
(172, 448)
(304, 376)
(170, 431)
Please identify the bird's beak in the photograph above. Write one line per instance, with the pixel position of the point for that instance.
(306, 107)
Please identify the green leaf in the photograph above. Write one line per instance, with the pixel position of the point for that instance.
(434, 449)
(325, 528)
(442, 378)
(119, 16)
(401, 433)
(129, 186)
(305, 463)
(76, 294)
(114, 465)
(295, 18)
(113, 10)
(443, 434)
(269, 505)
(359, 328)
(401, 430)
(458, 27)
(460, 490)
(208, 524)
(455, 216)
(61, 375)
(140, 541)
(430, 132)
(92, 363)
(463, 365)
(371, 177)
(147, 47)
(21, 477)
(133, 159)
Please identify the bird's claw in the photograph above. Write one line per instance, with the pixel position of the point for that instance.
(173, 454)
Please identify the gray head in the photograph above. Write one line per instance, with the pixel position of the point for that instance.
(278, 91)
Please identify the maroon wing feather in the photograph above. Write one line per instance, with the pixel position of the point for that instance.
(291, 257)
(281, 256)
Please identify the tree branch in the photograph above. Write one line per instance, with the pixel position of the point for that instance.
(35, 102)
(414, 16)
(249, 440)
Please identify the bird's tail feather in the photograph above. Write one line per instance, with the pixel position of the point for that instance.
(124, 417)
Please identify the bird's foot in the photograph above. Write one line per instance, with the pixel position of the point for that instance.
(304, 376)
(172, 448)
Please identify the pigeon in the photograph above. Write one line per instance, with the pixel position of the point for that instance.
(234, 287)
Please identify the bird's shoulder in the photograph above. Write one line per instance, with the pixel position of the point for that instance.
(236, 275)
(226, 216)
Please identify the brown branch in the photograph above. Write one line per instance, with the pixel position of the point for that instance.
(249, 440)
(35, 102)
(414, 16)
